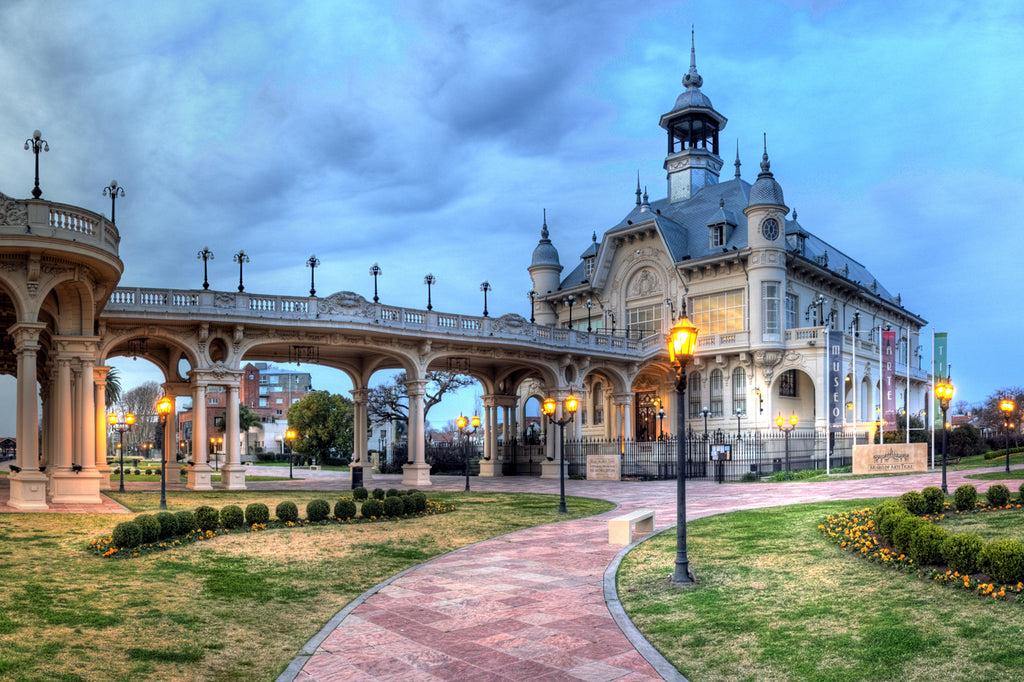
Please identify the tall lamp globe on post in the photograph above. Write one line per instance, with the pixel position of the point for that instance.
(682, 342)
(781, 423)
(549, 407)
(1007, 406)
(462, 422)
(164, 407)
(944, 392)
(121, 424)
(290, 435)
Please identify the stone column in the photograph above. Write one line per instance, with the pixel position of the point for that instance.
(490, 465)
(63, 414)
(199, 472)
(28, 487)
(99, 378)
(416, 472)
(78, 423)
(360, 458)
(233, 473)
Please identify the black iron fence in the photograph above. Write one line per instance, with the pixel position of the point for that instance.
(443, 458)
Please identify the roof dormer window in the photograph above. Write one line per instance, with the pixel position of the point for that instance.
(716, 235)
(588, 268)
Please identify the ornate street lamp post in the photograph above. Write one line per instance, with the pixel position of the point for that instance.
(429, 280)
(164, 407)
(571, 301)
(532, 294)
(113, 190)
(549, 407)
(215, 443)
(944, 392)
(462, 422)
(681, 343)
(290, 435)
(1007, 405)
(485, 287)
(781, 423)
(661, 421)
(738, 413)
(37, 144)
(705, 412)
(205, 255)
(589, 306)
(241, 259)
(376, 272)
(313, 262)
(121, 424)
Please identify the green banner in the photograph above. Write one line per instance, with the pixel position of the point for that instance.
(940, 368)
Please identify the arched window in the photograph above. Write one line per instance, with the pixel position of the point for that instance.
(598, 404)
(693, 389)
(715, 388)
(739, 391)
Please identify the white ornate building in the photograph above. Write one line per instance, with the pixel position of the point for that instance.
(762, 289)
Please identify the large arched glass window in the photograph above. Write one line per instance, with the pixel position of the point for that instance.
(715, 388)
(739, 391)
(598, 404)
(693, 391)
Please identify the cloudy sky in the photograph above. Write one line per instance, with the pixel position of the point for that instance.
(429, 136)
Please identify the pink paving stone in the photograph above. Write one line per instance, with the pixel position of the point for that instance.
(461, 670)
(598, 672)
(384, 666)
(630, 660)
(492, 660)
(426, 658)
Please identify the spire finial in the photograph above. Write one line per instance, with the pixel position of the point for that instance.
(544, 228)
(737, 163)
(765, 164)
(646, 202)
(593, 237)
(721, 202)
(692, 79)
(794, 215)
(638, 187)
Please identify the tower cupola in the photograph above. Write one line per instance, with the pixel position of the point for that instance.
(693, 126)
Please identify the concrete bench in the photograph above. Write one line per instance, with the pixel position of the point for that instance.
(314, 467)
(620, 529)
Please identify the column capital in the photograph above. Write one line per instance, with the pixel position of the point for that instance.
(416, 386)
(26, 335)
(99, 374)
(359, 395)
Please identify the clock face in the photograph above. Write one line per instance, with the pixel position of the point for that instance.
(770, 229)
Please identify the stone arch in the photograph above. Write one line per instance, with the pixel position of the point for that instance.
(73, 302)
(173, 349)
(802, 404)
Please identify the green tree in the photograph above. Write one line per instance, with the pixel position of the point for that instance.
(323, 422)
(965, 441)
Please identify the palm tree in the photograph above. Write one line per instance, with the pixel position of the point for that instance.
(247, 419)
(113, 391)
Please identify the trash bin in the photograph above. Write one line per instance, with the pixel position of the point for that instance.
(357, 477)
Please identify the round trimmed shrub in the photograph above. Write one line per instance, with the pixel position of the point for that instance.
(926, 544)
(318, 510)
(168, 525)
(421, 501)
(344, 509)
(378, 493)
(231, 516)
(888, 522)
(961, 552)
(408, 504)
(934, 499)
(360, 493)
(126, 535)
(371, 508)
(411, 491)
(392, 492)
(998, 495)
(393, 506)
(965, 498)
(257, 512)
(914, 502)
(207, 518)
(1020, 493)
(186, 521)
(905, 529)
(149, 526)
(287, 511)
(1003, 561)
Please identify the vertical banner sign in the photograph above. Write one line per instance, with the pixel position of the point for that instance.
(836, 383)
(889, 381)
(939, 371)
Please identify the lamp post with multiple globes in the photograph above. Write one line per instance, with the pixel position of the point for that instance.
(290, 435)
(121, 424)
(205, 255)
(376, 272)
(549, 408)
(164, 407)
(944, 392)
(682, 342)
(462, 422)
(1007, 406)
(781, 423)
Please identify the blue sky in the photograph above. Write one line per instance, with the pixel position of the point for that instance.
(429, 136)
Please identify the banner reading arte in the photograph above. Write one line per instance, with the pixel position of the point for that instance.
(888, 381)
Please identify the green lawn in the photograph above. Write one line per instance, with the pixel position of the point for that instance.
(776, 601)
(238, 607)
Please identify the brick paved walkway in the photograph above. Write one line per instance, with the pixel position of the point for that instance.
(531, 605)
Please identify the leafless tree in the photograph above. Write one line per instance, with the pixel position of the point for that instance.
(390, 401)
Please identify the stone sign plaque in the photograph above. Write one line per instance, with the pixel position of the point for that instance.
(603, 468)
(890, 458)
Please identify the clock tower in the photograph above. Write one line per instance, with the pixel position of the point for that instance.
(766, 236)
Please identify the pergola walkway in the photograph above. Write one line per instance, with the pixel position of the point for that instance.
(532, 604)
